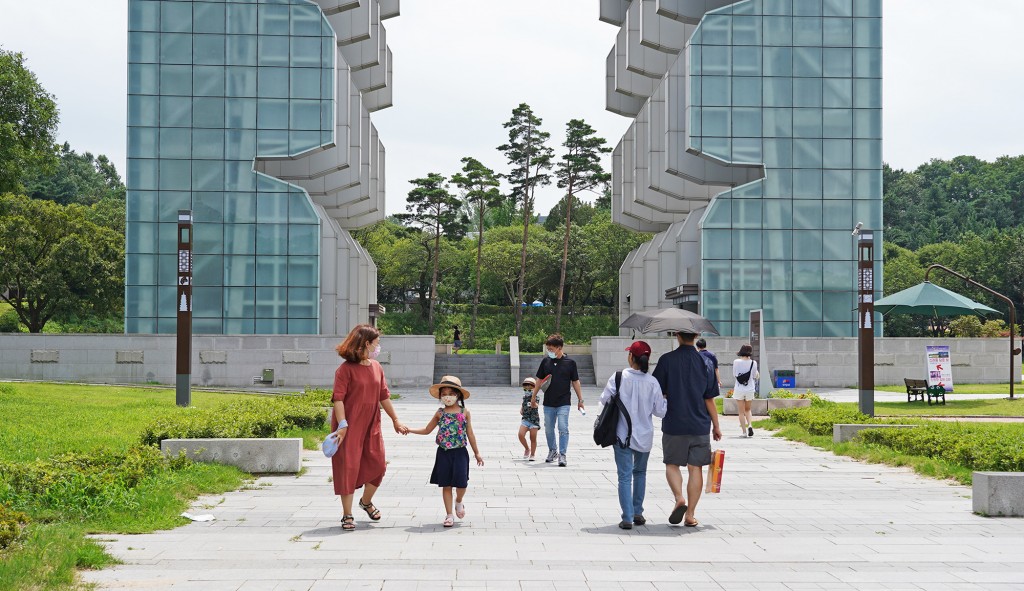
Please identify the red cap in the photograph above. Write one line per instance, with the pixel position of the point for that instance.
(639, 349)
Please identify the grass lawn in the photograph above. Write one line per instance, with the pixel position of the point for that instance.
(1018, 389)
(1000, 407)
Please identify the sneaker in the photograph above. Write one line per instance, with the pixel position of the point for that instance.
(750, 431)
(532, 459)
(743, 432)
(552, 456)
(625, 525)
(639, 520)
(561, 460)
(526, 456)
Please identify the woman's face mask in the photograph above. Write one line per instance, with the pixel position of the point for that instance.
(375, 352)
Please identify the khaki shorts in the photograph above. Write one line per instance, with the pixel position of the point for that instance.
(686, 450)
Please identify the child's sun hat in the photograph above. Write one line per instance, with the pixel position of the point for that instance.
(449, 382)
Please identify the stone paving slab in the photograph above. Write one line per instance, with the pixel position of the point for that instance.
(789, 517)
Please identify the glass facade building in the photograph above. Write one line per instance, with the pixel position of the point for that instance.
(795, 85)
(212, 86)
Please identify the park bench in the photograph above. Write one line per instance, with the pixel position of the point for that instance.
(917, 389)
(936, 392)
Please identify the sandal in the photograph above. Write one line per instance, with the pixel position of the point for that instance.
(371, 511)
(348, 523)
(460, 510)
(677, 514)
(693, 523)
(449, 520)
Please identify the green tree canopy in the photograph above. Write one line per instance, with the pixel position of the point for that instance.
(77, 178)
(28, 121)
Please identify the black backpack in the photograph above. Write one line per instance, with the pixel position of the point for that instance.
(608, 420)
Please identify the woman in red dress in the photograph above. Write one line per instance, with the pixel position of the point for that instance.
(360, 391)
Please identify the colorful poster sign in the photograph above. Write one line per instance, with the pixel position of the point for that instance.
(940, 369)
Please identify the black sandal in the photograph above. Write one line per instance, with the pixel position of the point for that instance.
(348, 523)
(371, 511)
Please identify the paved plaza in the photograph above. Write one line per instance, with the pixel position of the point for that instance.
(788, 517)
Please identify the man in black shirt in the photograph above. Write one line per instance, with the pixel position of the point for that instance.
(563, 375)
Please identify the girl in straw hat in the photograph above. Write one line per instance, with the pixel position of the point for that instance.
(455, 429)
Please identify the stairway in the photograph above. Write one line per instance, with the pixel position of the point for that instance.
(474, 370)
(528, 365)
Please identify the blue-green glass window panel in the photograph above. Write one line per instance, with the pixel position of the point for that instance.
(302, 302)
(746, 213)
(239, 238)
(807, 62)
(806, 329)
(746, 274)
(837, 123)
(778, 305)
(239, 208)
(209, 268)
(241, 50)
(778, 30)
(869, 212)
(837, 62)
(837, 32)
(141, 270)
(837, 245)
(239, 325)
(715, 91)
(867, 123)
(176, 80)
(144, 172)
(837, 153)
(240, 114)
(271, 302)
(807, 8)
(778, 329)
(238, 176)
(747, 149)
(208, 81)
(209, 49)
(777, 274)
(273, 19)
(838, 307)
(303, 271)
(241, 19)
(208, 17)
(141, 238)
(170, 203)
(144, 15)
(273, 51)
(239, 302)
(867, 153)
(305, 20)
(867, 62)
(778, 61)
(208, 144)
(747, 91)
(716, 60)
(778, 244)
(271, 270)
(271, 238)
(268, 184)
(273, 114)
(240, 270)
(867, 32)
(208, 113)
(273, 82)
(270, 325)
(140, 300)
(836, 329)
(301, 141)
(806, 153)
(141, 205)
(272, 142)
(167, 308)
(207, 302)
(144, 48)
(867, 93)
(778, 123)
(746, 122)
(867, 184)
(304, 239)
(807, 275)
(837, 184)
(778, 213)
(778, 92)
(838, 275)
(302, 326)
(745, 8)
(175, 143)
(213, 325)
(837, 93)
(208, 207)
(272, 208)
(241, 81)
(239, 143)
(717, 274)
(695, 59)
(207, 175)
(696, 96)
(719, 147)
(168, 249)
(719, 215)
(745, 301)
(807, 215)
(306, 52)
(327, 95)
(778, 153)
(715, 29)
(807, 183)
(143, 141)
(175, 175)
(779, 181)
(807, 123)
(175, 111)
(807, 92)
(754, 190)
(746, 61)
(176, 17)
(717, 245)
(871, 8)
(838, 7)
(305, 115)
(807, 244)
(176, 48)
(715, 122)
(746, 30)
(807, 31)
(777, 6)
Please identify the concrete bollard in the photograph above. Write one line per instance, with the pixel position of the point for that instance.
(998, 494)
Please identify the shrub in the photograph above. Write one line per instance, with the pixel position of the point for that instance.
(977, 447)
(786, 394)
(12, 524)
(819, 417)
(9, 321)
(264, 417)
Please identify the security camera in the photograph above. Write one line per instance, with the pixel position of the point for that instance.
(856, 229)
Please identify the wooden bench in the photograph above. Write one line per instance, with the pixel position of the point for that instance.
(916, 389)
(936, 392)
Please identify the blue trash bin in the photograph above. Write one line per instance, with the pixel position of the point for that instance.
(784, 378)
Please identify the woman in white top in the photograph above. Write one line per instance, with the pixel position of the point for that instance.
(743, 394)
(642, 398)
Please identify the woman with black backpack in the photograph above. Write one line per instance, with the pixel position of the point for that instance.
(744, 370)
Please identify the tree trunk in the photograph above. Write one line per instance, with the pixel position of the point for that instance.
(565, 257)
(479, 254)
(522, 265)
(433, 280)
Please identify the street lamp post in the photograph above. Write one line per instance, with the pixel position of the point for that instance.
(183, 371)
(865, 319)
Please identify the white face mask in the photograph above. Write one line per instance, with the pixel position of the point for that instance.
(551, 354)
(375, 352)
(449, 400)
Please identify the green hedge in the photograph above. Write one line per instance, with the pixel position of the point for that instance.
(975, 446)
(820, 416)
(12, 524)
(576, 330)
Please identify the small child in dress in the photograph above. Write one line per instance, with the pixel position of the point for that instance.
(455, 429)
(530, 420)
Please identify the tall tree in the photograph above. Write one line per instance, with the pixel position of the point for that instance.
(530, 160)
(436, 211)
(77, 178)
(479, 185)
(53, 261)
(579, 170)
(28, 120)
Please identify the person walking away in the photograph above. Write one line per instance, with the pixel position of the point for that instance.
(688, 381)
(642, 398)
(702, 348)
(529, 421)
(360, 391)
(745, 375)
(454, 430)
(563, 376)
(457, 340)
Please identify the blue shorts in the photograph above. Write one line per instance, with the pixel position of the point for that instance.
(530, 425)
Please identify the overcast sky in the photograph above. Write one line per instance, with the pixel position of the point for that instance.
(954, 77)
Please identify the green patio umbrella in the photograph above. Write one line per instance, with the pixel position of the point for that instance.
(929, 299)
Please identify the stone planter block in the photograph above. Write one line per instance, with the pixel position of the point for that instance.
(774, 403)
(256, 456)
(998, 494)
(758, 407)
(846, 432)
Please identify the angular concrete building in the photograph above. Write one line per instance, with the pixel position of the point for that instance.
(755, 148)
(255, 115)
